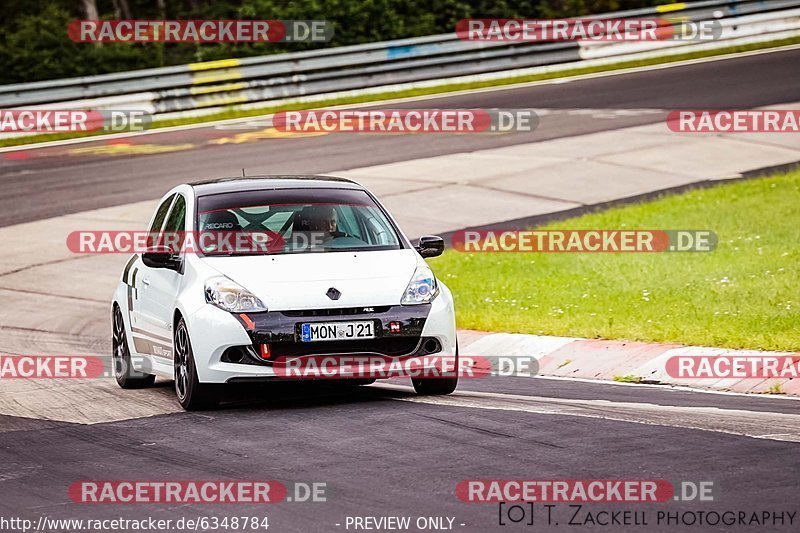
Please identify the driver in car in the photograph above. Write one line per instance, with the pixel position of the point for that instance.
(325, 220)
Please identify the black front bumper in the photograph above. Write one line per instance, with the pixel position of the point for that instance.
(398, 332)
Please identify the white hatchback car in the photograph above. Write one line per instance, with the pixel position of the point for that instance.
(353, 285)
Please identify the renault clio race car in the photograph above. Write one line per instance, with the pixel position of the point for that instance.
(336, 277)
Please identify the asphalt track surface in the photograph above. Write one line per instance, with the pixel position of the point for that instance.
(55, 181)
(381, 455)
(381, 450)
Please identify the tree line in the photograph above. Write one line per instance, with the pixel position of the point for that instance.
(34, 44)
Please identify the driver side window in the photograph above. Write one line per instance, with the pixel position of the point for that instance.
(161, 214)
(173, 230)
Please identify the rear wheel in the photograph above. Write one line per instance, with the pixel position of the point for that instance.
(437, 386)
(127, 377)
(192, 395)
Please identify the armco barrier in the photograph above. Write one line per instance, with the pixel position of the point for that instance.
(201, 88)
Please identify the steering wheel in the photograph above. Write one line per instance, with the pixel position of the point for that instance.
(272, 241)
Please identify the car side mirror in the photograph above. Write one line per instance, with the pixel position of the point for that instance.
(430, 246)
(161, 257)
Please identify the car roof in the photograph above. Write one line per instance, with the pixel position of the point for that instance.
(256, 183)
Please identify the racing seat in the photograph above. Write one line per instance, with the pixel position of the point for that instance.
(216, 226)
(223, 220)
(305, 226)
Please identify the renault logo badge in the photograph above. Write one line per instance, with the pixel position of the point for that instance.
(333, 294)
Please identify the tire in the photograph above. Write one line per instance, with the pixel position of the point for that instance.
(358, 382)
(127, 377)
(192, 395)
(437, 386)
(345, 384)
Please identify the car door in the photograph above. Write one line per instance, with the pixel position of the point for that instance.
(140, 327)
(159, 291)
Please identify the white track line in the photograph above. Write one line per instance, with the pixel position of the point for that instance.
(754, 424)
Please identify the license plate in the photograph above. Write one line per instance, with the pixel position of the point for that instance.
(337, 331)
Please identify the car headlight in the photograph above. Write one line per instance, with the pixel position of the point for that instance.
(422, 288)
(230, 296)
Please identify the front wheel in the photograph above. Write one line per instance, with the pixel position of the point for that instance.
(126, 376)
(437, 386)
(192, 395)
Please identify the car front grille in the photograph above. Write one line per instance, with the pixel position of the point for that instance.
(393, 347)
(382, 346)
(344, 311)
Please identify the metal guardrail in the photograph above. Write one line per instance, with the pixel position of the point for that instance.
(267, 78)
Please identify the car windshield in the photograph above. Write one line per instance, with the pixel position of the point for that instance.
(292, 221)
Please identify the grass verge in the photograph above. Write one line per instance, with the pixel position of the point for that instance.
(439, 89)
(629, 378)
(745, 294)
